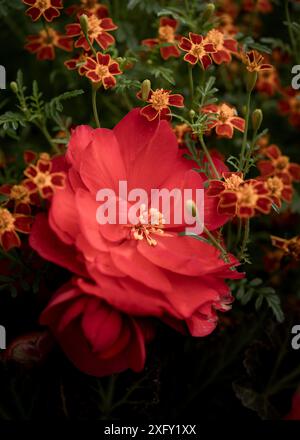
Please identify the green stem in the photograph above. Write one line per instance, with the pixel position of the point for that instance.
(207, 154)
(94, 104)
(249, 154)
(245, 137)
(215, 242)
(90, 44)
(291, 32)
(245, 239)
(191, 83)
(43, 128)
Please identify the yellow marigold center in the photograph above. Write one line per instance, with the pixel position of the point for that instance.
(159, 99)
(42, 179)
(226, 112)
(216, 38)
(49, 36)
(247, 195)
(282, 163)
(166, 34)
(151, 222)
(233, 182)
(102, 70)
(94, 28)
(198, 50)
(42, 5)
(19, 193)
(6, 221)
(275, 186)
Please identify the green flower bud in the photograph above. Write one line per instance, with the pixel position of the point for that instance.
(251, 78)
(145, 89)
(257, 118)
(208, 12)
(14, 86)
(84, 24)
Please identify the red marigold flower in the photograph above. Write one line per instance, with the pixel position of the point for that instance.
(97, 30)
(181, 130)
(290, 105)
(226, 25)
(48, 8)
(88, 6)
(18, 197)
(268, 82)
(229, 7)
(167, 38)
(10, 225)
(41, 179)
(198, 50)
(280, 188)
(160, 101)
(78, 62)
(254, 61)
(278, 164)
(226, 119)
(288, 246)
(175, 278)
(263, 6)
(43, 44)
(239, 197)
(222, 44)
(102, 70)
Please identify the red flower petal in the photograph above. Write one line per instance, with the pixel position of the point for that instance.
(169, 51)
(149, 112)
(206, 61)
(9, 240)
(185, 44)
(176, 100)
(109, 81)
(51, 13)
(238, 123)
(190, 58)
(195, 38)
(23, 223)
(105, 40)
(34, 13)
(224, 130)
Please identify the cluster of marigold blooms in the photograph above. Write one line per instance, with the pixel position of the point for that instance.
(20, 200)
(237, 196)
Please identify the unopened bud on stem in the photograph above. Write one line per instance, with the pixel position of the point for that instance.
(251, 78)
(208, 12)
(257, 118)
(84, 24)
(145, 89)
(14, 87)
(191, 208)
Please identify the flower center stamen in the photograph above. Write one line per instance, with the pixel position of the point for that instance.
(6, 221)
(145, 229)
(159, 99)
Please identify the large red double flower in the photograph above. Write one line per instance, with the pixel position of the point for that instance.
(124, 275)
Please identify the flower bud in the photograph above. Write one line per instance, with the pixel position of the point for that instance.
(192, 114)
(191, 208)
(251, 78)
(14, 86)
(84, 24)
(145, 89)
(208, 12)
(257, 118)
